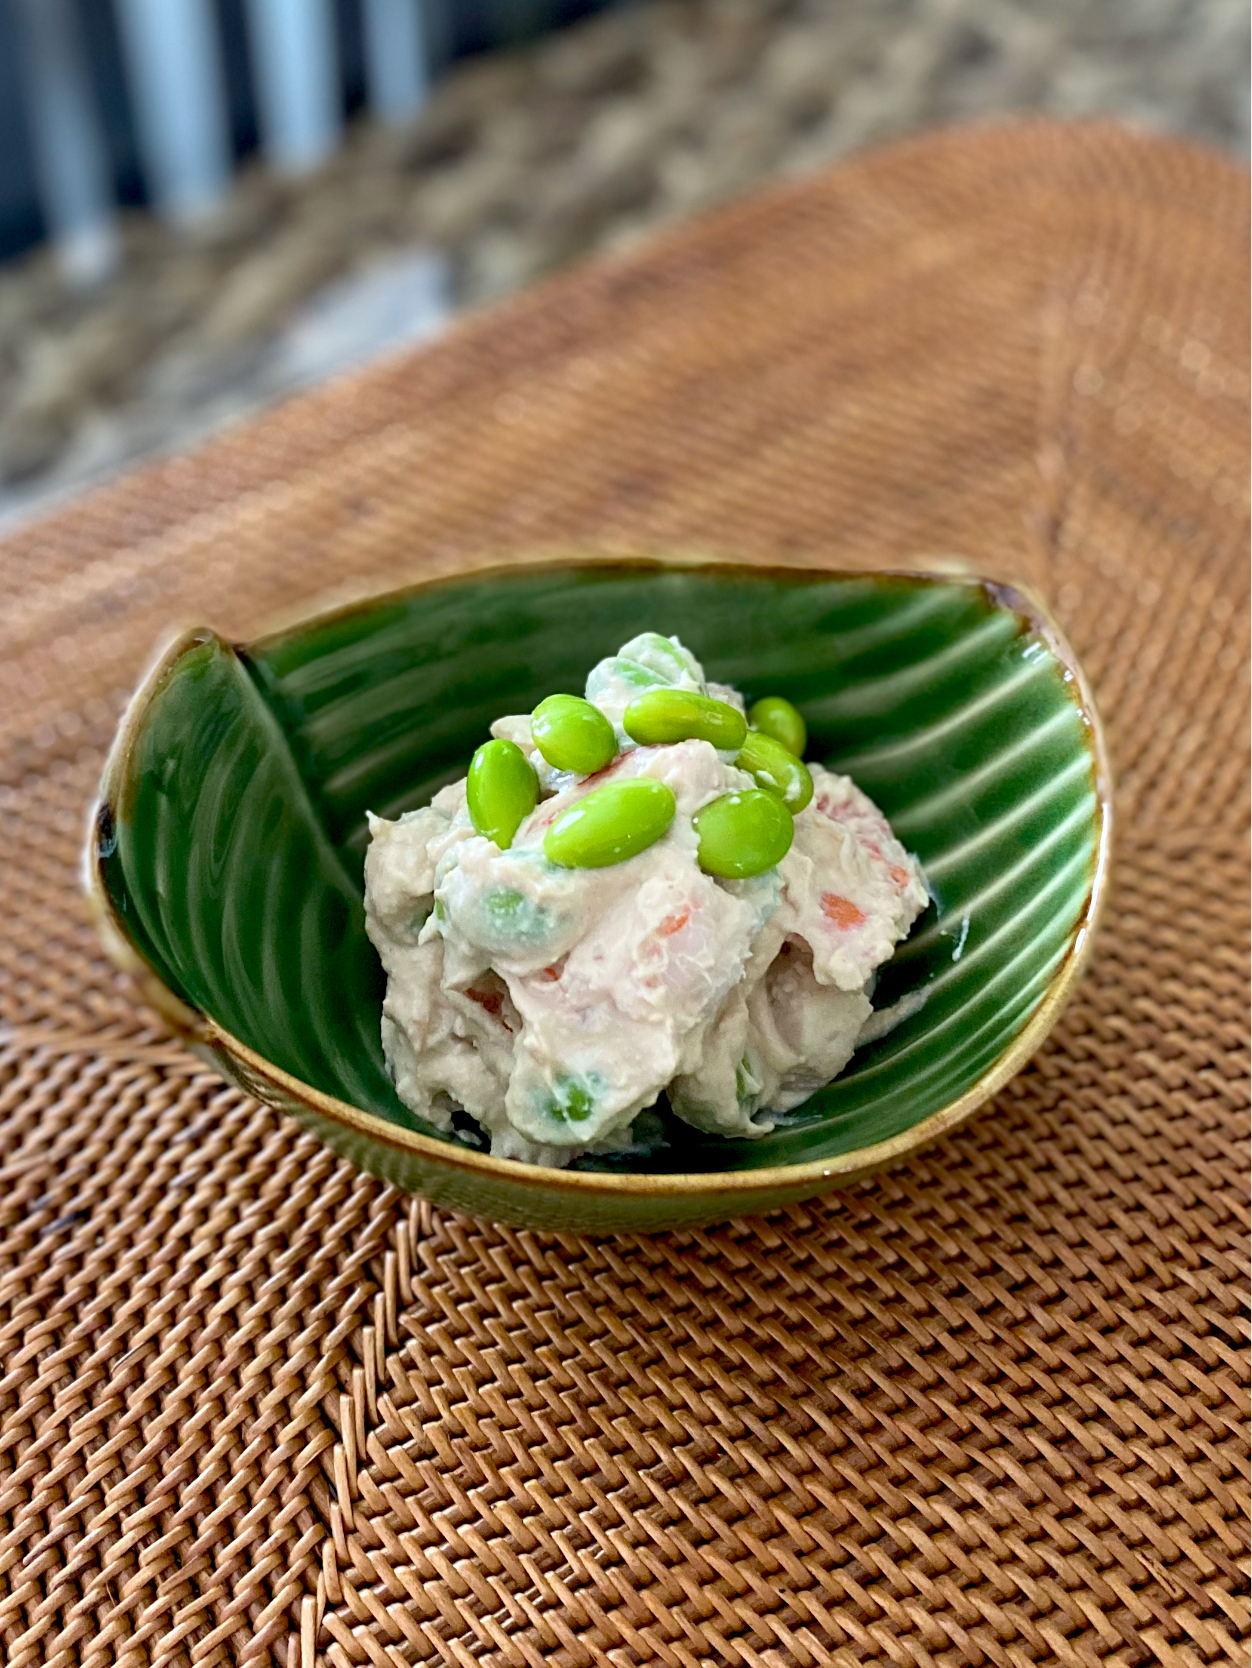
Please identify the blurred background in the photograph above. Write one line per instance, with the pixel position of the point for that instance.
(205, 204)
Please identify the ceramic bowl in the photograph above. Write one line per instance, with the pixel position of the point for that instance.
(225, 859)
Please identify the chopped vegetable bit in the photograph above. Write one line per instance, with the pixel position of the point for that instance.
(842, 911)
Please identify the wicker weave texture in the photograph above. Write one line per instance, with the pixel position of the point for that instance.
(257, 1408)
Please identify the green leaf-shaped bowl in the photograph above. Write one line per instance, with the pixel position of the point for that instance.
(226, 856)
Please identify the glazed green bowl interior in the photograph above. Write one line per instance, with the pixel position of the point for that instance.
(232, 849)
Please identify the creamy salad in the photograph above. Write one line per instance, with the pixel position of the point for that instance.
(636, 892)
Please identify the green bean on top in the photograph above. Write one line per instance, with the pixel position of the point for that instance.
(501, 790)
(572, 734)
(661, 716)
(610, 824)
(775, 716)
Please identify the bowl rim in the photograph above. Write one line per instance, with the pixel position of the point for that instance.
(208, 1038)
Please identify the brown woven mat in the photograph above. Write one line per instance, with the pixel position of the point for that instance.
(259, 1408)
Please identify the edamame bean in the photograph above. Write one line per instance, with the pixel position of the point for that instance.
(501, 790)
(775, 716)
(776, 770)
(572, 1100)
(506, 918)
(743, 834)
(669, 715)
(611, 824)
(572, 734)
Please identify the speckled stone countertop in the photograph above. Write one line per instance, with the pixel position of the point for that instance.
(522, 162)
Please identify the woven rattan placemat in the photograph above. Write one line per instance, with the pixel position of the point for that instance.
(256, 1407)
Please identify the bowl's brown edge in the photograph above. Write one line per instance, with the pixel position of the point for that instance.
(202, 1032)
